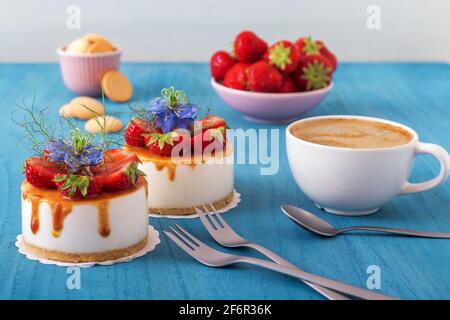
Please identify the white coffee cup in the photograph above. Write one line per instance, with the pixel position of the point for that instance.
(354, 182)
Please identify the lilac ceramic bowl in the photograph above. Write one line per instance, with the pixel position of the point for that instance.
(82, 72)
(270, 107)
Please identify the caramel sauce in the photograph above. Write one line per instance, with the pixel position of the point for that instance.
(170, 163)
(104, 228)
(62, 207)
(59, 214)
(34, 214)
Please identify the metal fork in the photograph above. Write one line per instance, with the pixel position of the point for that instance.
(227, 237)
(214, 258)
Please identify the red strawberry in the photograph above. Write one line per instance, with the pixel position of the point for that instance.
(78, 186)
(284, 55)
(40, 172)
(115, 158)
(210, 129)
(221, 62)
(119, 171)
(307, 45)
(288, 85)
(236, 77)
(163, 143)
(134, 131)
(262, 77)
(210, 122)
(314, 72)
(327, 54)
(248, 47)
(216, 136)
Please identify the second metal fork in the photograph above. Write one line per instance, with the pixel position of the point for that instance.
(227, 237)
(214, 258)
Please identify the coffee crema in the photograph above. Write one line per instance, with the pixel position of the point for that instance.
(351, 133)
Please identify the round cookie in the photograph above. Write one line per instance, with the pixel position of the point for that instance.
(99, 46)
(84, 108)
(92, 37)
(108, 123)
(116, 86)
(78, 46)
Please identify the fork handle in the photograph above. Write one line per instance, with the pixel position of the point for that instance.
(330, 294)
(318, 280)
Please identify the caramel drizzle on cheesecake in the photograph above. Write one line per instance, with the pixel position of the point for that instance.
(62, 207)
(104, 228)
(169, 163)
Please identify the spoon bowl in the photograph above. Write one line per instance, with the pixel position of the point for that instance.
(309, 221)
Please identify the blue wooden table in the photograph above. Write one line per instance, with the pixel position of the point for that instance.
(415, 94)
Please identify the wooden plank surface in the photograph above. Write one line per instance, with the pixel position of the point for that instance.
(417, 95)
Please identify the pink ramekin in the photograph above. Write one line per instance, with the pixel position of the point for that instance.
(82, 72)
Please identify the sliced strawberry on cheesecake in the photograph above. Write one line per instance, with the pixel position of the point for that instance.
(119, 170)
(211, 129)
(135, 131)
(163, 143)
(78, 186)
(40, 172)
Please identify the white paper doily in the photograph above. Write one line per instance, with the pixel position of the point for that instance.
(153, 241)
(233, 204)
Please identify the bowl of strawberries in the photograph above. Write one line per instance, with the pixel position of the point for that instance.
(274, 83)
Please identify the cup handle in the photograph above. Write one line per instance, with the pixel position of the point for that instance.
(444, 160)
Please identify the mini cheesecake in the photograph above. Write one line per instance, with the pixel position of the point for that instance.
(178, 185)
(109, 226)
(188, 161)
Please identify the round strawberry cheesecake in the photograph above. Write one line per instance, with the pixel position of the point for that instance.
(188, 161)
(81, 203)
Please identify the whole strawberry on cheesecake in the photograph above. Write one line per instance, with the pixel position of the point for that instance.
(187, 160)
(81, 201)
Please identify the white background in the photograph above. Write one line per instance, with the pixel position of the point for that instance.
(191, 30)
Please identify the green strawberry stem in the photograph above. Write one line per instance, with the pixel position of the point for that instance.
(133, 172)
(280, 56)
(161, 138)
(311, 47)
(317, 75)
(74, 183)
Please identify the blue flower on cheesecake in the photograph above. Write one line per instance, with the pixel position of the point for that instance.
(172, 110)
(76, 152)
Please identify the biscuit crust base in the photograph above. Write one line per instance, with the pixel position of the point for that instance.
(219, 204)
(85, 257)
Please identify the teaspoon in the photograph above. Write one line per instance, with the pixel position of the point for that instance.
(315, 224)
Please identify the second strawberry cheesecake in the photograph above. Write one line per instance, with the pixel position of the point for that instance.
(188, 161)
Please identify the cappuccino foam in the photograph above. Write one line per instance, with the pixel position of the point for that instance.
(351, 133)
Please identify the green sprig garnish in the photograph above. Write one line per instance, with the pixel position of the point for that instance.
(40, 132)
(35, 126)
